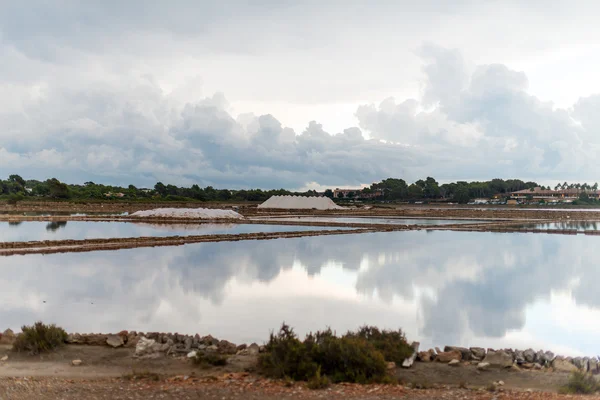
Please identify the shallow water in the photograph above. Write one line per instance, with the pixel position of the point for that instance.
(580, 226)
(464, 288)
(379, 220)
(62, 230)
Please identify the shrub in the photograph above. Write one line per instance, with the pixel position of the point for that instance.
(213, 359)
(349, 358)
(15, 198)
(40, 338)
(392, 344)
(318, 381)
(581, 383)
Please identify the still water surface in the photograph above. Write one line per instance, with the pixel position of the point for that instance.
(62, 230)
(378, 220)
(463, 288)
(580, 226)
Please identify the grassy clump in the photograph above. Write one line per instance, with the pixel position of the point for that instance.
(318, 381)
(392, 344)
(323, 355)
(213, 359)
(580, 383)
(40, 338)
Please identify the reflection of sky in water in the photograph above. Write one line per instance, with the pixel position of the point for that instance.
(379, 220)
(463, 288)
(60, 230)
(580, 226)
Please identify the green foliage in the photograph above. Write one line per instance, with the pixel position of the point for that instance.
(392, 344)
(461, 195)
(39, 338)
(213, 359)
(581, 383)
(349, 358)
(14, 198)
(318, 381)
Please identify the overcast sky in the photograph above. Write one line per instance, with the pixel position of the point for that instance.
(298, 94)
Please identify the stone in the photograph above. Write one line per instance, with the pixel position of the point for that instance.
(5, 358)
(454, 363)
(465, 353)
(424, 356)
(212, 348)
(578, 362)
(8, 337)
(538, 366)
(563, 365)
(145, 347)
(76, 362)
(549, 357)
(529, 355)
(253, 349)
(408, 362)
(526, 365)
(191, 354)
(226, 347)
(132, 340)
(519, 357)
(500, 383)
(391, 365)
(446, 357)
(478, 352)
(74, 338)
(188, 343)
(498, 359)
(115, 341)
(94, 339)
(482, 366)
(593, 365)
(540, 357)
(242, 347)
(209, 340)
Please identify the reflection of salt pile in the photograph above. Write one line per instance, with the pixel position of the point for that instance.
(191, 213)
(299, 202)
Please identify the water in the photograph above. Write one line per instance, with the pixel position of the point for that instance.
(580, 226)
(61, 230)
(379, 220)
(463, 288)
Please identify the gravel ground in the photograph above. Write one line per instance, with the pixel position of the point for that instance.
(236, 386)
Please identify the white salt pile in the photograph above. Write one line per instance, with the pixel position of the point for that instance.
(191, 213)
(300, 202)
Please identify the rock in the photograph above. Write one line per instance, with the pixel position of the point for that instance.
(593, 365)
(482, 366)
(586, 364)
(526, 365)
(8, 337)
(115, 341)
(498, 359)
(226, 347)
(132, 340)
(437, 350)
(253, 349)
(425, 356)
(519, 357)
(478, 352)
(188, 343)
(391, 365)
(549, 357)
(212, 348)
(540, 357)
(209, 340)
(242, 347)
(529, 355)
(94, 339)
(191, 354)
(145, 347)
(465, 353)
(262, 349)
(563, 365)
(74, 338)
(578, 362)
(454, 363)
(446, 357)
(5, 358)
(76, 362)
(538, 366)
(500, 383)
(407, 363)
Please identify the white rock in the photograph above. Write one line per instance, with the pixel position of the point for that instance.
(483, 365)
(191, 354)
(145, 346)
(76, 362)
(454, 363)
(500, 383)
(114, 341)
(4, 358)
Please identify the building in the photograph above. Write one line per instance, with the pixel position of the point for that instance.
(357, 193)
(562, 195)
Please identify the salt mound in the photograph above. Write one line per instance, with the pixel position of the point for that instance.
(300, 202)
(191, 213)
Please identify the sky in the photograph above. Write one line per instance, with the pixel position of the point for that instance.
(298, 94)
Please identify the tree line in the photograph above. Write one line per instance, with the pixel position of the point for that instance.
(390, 189)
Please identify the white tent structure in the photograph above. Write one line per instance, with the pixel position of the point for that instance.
(300, 202)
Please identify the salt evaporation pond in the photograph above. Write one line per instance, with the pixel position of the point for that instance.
(377, 220)
(579, 226)
(494, 290)
(63, 230)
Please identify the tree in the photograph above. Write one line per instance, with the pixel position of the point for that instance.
(328, 193)
(415, 191)
(17, 179)
(351, 195)
(340, 195)
(57, 189)
(461, 195)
